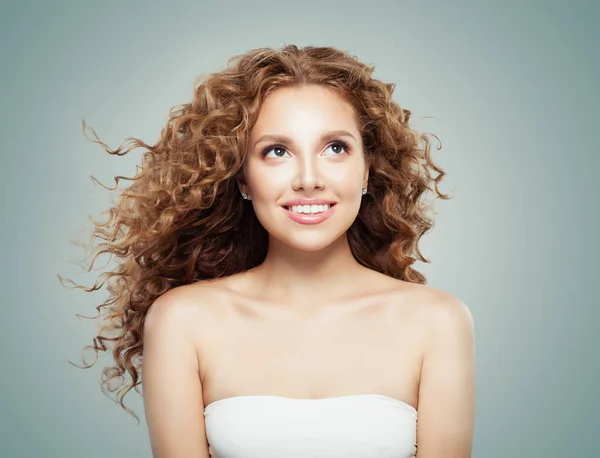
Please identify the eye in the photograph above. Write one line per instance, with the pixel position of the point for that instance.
(278, 149)
(337, 152)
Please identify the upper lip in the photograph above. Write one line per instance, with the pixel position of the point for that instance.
(293, 202)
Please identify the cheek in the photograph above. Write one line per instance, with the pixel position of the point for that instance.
(268, 184)
(258, 178)
(346, 182)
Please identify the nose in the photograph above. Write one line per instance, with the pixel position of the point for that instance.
(308, 176)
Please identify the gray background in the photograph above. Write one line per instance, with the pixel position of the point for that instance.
(511, 89)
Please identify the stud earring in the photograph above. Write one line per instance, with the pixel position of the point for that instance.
(364, 191)
(244, 195)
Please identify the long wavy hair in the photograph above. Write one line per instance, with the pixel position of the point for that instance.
(182, 219)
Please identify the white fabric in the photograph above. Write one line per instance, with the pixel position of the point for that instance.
(355, 426)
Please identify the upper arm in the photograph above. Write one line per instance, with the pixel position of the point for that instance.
(172, 391)
(446, 412)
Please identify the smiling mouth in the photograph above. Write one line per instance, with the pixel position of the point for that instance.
(308, 209)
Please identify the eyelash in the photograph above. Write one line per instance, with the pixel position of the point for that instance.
(337, 142)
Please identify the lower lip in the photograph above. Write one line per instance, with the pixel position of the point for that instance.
(307, 218)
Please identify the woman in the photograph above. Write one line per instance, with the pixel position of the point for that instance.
(266, 273)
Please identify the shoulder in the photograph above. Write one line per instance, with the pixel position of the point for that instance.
(170, 358)
(447, 315)
(198, 297)
(447, 383)
(194, 309)
(434, 318)
(436, 309)
(189, 318)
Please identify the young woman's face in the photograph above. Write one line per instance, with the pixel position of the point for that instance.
(305, 153)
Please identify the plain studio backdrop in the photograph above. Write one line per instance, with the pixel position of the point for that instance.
(510, 88)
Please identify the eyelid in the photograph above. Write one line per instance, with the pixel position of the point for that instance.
(345, 145)
(264, 152)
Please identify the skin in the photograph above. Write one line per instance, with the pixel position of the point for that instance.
(310, 322)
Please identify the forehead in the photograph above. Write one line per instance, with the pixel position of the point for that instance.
(304, 109)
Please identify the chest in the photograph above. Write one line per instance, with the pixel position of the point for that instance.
(366, 348)
(296, 350)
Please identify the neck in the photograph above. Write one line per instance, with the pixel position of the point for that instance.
(300, 277)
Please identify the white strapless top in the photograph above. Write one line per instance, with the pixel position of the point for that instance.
(354, 426)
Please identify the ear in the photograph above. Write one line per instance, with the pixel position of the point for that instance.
(241, 183)
(367, 158)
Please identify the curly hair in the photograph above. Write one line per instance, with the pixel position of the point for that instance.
(182, 219)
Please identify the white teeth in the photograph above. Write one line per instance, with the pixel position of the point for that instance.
(310, 208)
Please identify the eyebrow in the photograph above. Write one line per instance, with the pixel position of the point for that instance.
(283, 139)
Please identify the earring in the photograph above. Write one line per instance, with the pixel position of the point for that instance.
(364, 191)
(244, 195)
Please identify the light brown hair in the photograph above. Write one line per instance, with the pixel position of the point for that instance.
(182, 218)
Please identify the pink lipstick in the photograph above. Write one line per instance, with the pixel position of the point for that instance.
(309, 218)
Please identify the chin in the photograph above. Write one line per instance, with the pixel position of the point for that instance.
(309, 241)
(310, 246)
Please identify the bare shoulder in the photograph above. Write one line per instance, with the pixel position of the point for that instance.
(196, 311)
(447, 315)
(447, 385)
(175, 418)
(434, 307)
(193, 302)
